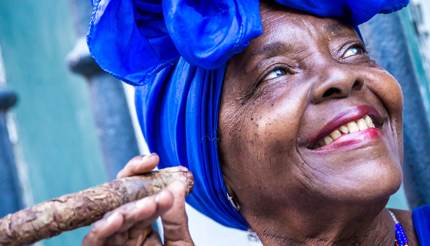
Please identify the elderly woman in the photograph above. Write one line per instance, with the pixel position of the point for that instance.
(289, 127)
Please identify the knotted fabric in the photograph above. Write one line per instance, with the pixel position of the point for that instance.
(175, 52)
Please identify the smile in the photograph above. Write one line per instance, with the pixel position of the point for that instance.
(349, 127)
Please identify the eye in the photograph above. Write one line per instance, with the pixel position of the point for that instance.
(275, 73)
(354, 50)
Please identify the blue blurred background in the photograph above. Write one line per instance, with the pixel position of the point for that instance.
(65, 125)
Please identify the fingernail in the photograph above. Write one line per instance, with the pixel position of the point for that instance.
(113, 217)
(157, 197)
(153, 155)
(147, 157)
(142, 203)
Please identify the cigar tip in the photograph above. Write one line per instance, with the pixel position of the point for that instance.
(173, 169)
(184, 172)
(189, 181)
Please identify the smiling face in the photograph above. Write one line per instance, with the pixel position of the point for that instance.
(307, 119)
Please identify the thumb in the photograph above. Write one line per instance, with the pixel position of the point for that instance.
(175, 220)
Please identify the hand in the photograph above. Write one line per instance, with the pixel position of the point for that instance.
(130, 224)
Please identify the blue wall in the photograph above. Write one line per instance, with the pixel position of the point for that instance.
(57, 139)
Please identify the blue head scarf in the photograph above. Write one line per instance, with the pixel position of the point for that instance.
(175, 52)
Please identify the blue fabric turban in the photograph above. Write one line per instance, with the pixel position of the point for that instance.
(174, 52)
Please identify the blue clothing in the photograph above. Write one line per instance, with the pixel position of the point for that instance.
(174, 52)
(421, 220)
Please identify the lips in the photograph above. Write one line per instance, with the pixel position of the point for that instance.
(350, 122)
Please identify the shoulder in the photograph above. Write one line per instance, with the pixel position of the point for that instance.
(421, 222)
(421, 212)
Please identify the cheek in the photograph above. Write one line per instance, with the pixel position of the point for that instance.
(275, 121)
(388, 89)
(261, 148)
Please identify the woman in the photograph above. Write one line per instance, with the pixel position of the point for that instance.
(293, 132)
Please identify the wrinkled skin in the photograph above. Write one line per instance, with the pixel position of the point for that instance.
(277, 95)
(130, 224)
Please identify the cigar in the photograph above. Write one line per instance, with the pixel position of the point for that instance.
(71, 211)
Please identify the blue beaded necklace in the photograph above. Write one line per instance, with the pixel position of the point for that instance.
(401, 238)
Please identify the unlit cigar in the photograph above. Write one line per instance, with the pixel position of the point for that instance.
(79, 209)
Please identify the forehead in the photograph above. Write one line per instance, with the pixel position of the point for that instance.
(275, 15)
(289, 28)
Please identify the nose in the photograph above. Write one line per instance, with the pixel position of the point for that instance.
(336, 82)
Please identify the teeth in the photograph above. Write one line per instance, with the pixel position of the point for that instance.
(344, 129)
(353, 126)
(327, 140)
(336, 134)
(369, 122)
(362, 125)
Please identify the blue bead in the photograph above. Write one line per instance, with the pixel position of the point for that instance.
(400, 234)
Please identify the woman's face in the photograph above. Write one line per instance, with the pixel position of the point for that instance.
(308, 118)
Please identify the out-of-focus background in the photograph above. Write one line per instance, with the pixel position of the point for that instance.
(65, 125)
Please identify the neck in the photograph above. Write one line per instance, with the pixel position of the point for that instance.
(340, 225)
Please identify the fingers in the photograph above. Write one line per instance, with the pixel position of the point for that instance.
(147, 210)
(175, 220)
(103, 229)
(139, 165)
(124, 226)
(119, 227)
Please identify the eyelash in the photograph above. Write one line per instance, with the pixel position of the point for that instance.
(285, 71)
(360, 50)
(256, 88)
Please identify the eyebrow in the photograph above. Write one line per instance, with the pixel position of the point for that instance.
(335, 29)
(272, 49)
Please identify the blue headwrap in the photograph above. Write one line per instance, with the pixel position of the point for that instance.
(174, 52)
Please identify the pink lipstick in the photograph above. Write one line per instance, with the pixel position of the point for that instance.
(352, 126)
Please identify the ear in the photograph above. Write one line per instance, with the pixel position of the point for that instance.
(231, 196)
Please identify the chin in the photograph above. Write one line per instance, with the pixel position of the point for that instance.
(370, 182)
